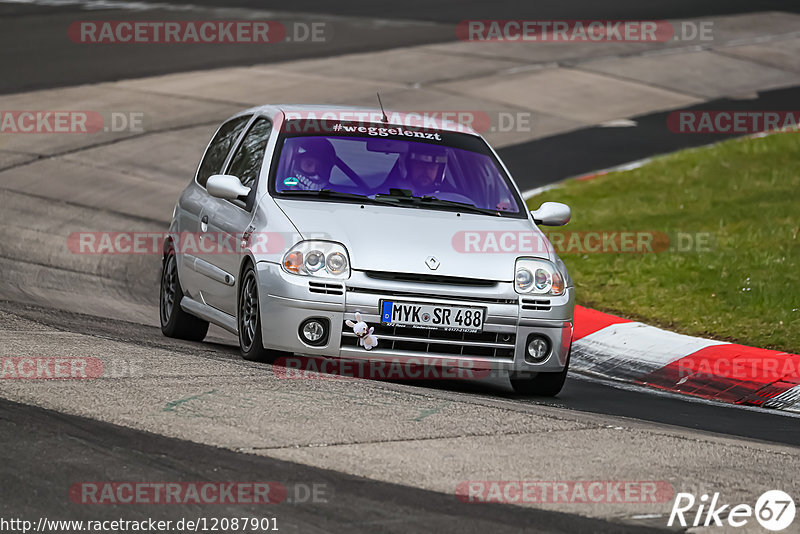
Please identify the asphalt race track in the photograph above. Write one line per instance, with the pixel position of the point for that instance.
(384, 456)
(356, 505)
(591, 149)
(404, 23)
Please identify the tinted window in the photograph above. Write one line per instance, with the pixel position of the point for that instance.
(219, 148)
(373, 166)
(247, 161)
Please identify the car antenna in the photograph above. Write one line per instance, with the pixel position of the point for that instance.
(384, 118)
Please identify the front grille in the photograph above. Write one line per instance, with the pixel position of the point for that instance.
(438, 342)
(536, 304)
(326, 288)
(430, 279)
(383, 293)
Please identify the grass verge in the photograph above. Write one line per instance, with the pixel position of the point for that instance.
(741, 198)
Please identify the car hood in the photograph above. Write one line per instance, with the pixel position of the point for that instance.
(397, 239)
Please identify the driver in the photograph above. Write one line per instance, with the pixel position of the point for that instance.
(312, 163)
(424, 169)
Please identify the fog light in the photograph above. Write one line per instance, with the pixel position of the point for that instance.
(537, 350)
(314, 331)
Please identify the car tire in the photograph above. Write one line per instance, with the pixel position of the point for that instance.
(174, 321)
(543, 384)
(248, 321)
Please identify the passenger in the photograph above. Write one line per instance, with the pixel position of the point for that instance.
(312, 163)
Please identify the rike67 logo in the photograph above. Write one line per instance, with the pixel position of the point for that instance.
(774, 510)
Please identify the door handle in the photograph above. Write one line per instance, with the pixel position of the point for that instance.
(204, 223)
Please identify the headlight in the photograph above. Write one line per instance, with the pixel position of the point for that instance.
(336, 263)
(537, 277)
(315, 260)
(324, 259)
(524, 279)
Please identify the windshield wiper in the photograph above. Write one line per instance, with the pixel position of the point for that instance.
(395, 197)
(330, 193)
(461, 205)
(404, 195)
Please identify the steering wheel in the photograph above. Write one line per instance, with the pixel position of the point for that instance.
(454, 197)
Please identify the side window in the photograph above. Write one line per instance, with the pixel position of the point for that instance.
(219, 148)
(246, 163)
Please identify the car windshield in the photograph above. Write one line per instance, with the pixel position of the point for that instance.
(443, 169)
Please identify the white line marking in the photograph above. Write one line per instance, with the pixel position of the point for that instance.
(619, 123)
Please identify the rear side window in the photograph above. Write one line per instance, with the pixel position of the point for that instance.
(246, 163)
(219, 148)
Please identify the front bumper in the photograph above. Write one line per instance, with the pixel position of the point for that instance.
(288, 300)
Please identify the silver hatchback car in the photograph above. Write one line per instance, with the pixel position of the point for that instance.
(342, 233)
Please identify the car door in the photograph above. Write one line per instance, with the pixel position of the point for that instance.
(195, 200)
(227, 220)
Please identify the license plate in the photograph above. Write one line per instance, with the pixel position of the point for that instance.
(451, 318)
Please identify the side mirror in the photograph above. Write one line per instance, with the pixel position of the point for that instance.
(552, 214)
(226, 186)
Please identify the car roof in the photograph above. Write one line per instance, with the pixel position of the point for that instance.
(358, 114)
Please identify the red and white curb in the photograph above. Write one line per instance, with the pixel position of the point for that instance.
(619, 349)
